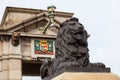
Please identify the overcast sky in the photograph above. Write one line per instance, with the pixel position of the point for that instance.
(101, 19)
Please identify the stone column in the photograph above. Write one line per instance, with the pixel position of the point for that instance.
(5, 60)
(1, 70)
(5, 69)
(15, 70)
(1, 59)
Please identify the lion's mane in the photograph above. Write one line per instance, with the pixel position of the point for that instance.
(71, 40)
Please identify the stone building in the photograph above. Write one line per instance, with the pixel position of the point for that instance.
(23, 46)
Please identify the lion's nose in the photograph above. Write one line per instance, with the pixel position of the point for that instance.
(80, 27)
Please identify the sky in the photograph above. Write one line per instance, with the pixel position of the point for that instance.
(101, 19)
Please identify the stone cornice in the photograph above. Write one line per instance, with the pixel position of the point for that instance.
(15, 56)
(30, 35)
(11, 56)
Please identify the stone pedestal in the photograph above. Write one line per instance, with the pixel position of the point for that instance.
(86, 76)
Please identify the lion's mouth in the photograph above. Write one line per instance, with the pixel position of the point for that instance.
(78, 33)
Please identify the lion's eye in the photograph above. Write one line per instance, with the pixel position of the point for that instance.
(80, 32)
(80, 24)
(72, 24)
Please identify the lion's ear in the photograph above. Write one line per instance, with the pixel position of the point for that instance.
(62, 24)
(74, 19)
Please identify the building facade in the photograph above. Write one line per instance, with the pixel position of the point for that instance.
(23, 46)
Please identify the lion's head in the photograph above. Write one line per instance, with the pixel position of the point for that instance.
(70, 37)
(15, 38)
(73, 30)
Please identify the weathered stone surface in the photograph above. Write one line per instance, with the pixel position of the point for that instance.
(1, 48)
(15, 75)
(86, 76)
(14, 49)
(15, 72)
(83, 69)
(6, 47)
(0, 65)
(1, 75)
(14, 64)
(5, 75)
(5, 65)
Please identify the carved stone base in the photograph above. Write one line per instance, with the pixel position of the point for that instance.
(76, 69)
(83, 69)
(86, 76)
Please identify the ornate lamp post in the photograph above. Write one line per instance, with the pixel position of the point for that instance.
(51, 15)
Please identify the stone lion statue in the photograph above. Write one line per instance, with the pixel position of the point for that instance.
(71, 48)
(71, 43)
(15, 38)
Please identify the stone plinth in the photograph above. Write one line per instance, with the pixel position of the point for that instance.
(86, 76)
